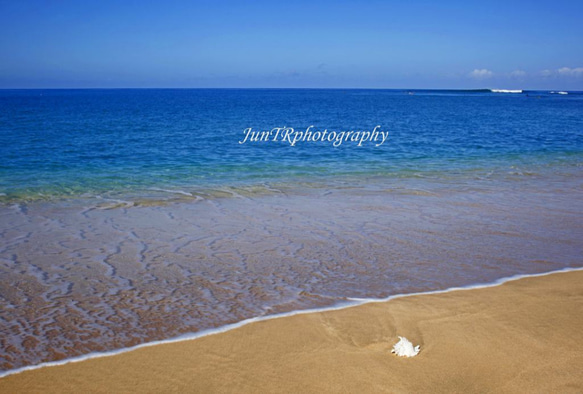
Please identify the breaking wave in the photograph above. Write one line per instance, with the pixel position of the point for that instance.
(506, 90)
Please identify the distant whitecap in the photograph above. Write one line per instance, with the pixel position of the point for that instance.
(506, 90)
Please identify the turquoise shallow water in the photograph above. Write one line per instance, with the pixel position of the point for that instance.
(130, 216)
(57, 143)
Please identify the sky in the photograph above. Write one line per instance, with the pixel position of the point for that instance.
(291, 44)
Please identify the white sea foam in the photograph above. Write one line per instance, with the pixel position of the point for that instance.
(351, 302)
(171, 191)
(506, 90)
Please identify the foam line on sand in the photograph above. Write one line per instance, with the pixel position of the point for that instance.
(350, 302)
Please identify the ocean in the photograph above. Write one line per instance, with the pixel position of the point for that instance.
(138, 215)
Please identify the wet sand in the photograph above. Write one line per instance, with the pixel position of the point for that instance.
(522, 336)
(77, 277)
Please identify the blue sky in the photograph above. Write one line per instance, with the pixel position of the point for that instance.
(368, 44)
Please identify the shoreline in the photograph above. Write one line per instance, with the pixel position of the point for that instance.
(159, 272)
(350, 303)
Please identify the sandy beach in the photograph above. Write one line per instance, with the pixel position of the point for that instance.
(522, 336)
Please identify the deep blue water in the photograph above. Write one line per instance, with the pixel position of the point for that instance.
(74, 142)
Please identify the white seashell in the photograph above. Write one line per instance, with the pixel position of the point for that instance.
(404, 348)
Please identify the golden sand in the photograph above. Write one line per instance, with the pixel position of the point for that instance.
(525, 336)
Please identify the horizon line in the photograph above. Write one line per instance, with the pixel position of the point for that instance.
(286, 88)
